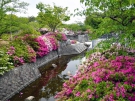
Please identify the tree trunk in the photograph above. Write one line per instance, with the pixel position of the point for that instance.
(53, 29)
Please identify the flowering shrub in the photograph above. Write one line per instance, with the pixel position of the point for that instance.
(61, 36)
(113, 51)
(105, 80)
(5, 64)
(73, 41)
(118, 50)
(53, 41)
(31, 54)
(64, 37)
(42, 47)
(46, 43)
(17, 61)
(11, 50)
(30, 39)
(107, 76)
(20, 52)
(26, 48)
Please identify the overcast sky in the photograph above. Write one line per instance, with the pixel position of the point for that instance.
(71, 4)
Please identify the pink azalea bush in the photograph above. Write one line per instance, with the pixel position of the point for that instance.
(64, 37)
(43, 49)
(102, 77)
(42, 44)
(17, 61)
(73, 41)
(53, 41)
(46, 43)
(19, 53)
(26, 48)
(11, 50)
(31, 54)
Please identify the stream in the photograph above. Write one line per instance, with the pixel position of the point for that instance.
(51, 80)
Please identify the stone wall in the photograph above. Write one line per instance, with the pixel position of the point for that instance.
(72, 49)
(18, 78)
(80, 38)
(72, 37)
(41, 61)
(83, 38)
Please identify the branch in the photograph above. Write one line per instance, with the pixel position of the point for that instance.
(114, 18)
(130, 20)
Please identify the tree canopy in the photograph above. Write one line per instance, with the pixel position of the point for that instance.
(93, 21)
(7, 10)
(8, 6)
(118, 15)
(52, 16)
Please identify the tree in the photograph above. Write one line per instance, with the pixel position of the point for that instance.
(93, 21)
(51, 16)
(28, 25)
(9, 26)
(76, 27)
(118, 15)
(73, 27)
(9, 7)
(32, 19)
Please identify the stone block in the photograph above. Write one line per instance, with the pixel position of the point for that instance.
(30, 98)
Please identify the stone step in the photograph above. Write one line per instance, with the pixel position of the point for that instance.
(79, 49)
(72, 49)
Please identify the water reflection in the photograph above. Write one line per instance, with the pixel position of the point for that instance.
(51, 80)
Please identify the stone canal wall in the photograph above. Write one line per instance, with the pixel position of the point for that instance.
(81, 38)
(18, 78)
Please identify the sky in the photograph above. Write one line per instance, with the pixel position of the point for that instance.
(71, 4)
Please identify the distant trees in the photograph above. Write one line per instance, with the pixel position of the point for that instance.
(7, 10)
(51, 16)
(76, 27)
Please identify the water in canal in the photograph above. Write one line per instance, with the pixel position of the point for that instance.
(51, 80)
